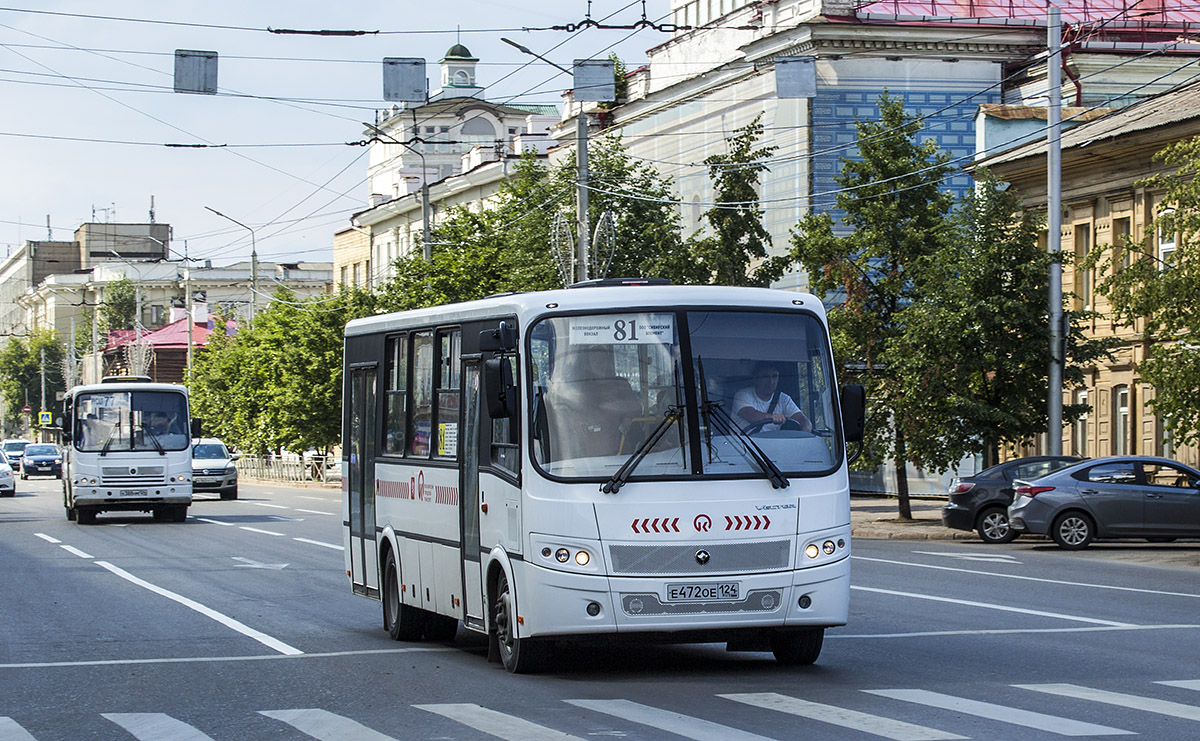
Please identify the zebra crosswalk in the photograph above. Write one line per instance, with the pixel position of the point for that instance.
(950, 716)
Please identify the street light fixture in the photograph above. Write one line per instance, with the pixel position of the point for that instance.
(425, 215)
(253, 260)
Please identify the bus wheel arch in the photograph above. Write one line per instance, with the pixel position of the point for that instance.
(402, 622)
(518, 655)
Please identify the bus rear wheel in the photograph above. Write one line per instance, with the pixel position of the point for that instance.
(402, 622)
(519, 655)
(797, 647)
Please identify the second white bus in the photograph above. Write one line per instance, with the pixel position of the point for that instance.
(583, 464)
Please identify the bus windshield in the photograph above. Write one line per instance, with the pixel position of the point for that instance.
(756, 385)
(121, 421)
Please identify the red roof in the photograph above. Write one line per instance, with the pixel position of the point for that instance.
(173, 335)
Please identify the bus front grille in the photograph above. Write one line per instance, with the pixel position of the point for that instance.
(723, 558)
(136, 475)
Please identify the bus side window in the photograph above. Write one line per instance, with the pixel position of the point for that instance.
(396, 409)
(421, 411)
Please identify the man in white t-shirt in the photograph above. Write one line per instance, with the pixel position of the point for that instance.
(764, 401)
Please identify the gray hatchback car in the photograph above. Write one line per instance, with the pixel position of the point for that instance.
(1119, 497)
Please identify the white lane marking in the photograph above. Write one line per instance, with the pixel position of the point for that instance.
(156, 727)
(1043, 580)
(1008, 631)
(256, 530)
(246, 630)
(323, 545)
(264, 504)
(1187, 684)
(213, 522)
(313, 511)
(665, 720)
(1120, 699)
(73, 550)
(494, 723)
(992, 557)
(281, 518)
(10, 730)
(324, 725)
(217, 659)
(251, 564)
(1002, 713)
(47, 538)
(989, 606)
(319, 499)
(852, 719)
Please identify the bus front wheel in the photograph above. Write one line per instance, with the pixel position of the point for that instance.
(402, 622)
(797, 647)
(85, 515)
(519, 655)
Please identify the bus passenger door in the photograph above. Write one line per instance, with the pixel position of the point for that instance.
(363, 551)
(469, 486)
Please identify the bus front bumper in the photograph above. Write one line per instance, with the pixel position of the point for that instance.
(559, 603)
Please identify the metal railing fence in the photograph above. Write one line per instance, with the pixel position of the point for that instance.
(319, 469)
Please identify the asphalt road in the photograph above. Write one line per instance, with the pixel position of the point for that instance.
(239, 624)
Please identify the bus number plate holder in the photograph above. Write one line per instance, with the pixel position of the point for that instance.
(132, 492)
(728, 591)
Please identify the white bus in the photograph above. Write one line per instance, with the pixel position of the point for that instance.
(582, 463)
(127, 447)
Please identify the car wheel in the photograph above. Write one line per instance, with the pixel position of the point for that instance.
(229, 494)
(402, 622)
(993, 526)
(1073, 530)
(519, 655)
(797, 647)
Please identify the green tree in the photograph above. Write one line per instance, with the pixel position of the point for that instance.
(738, 238)
(975, 349)
(1163, 294)
(21, 375)
(896, 217)
(120, 305)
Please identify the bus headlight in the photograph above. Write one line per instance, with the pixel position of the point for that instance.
(812, 551)
(582, 558)
(561, 555)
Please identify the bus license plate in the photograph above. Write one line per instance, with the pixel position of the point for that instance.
(725, 591)
(132, 493)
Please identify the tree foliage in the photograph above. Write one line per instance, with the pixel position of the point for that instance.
(120, 305)
(894, 222)
(1164, 294)
(21, 375)
(278, 382)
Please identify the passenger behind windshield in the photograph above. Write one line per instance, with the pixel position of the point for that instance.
(763, 406)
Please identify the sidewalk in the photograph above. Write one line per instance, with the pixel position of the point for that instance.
(878, 518)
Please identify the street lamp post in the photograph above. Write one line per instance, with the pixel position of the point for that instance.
(253, 260)
(581, 165)
(425, 216)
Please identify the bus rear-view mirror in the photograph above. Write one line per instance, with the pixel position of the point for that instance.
(498, 388)
(854, 412)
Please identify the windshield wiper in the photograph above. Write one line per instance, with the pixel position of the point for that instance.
(154, 439)
(618, 479)
(716, 416)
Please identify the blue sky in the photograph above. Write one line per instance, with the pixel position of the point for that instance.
(65, 78)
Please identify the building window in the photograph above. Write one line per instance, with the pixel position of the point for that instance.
(355, 270)
(158, 315)
(1079, 429)
(1121, 229)
(1120, 420)
(344, 269)
(368, 276)
(1166, 239)
(1166, 444)
(1083, 275)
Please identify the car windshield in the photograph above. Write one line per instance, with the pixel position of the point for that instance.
(602, 384)
(15, 447)
(116, 421)
(209, 451)
(33, 450)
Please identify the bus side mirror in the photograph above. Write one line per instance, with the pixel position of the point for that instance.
(501, 339)
(498, 388)
(854, 412)
(64, 426)
(196, 429)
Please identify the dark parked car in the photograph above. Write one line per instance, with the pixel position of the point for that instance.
(41, 459)
(980, 502)
(1120, 497)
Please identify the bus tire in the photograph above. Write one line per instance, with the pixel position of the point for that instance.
(402, 622)
(797, 647)
(179, 513)
(85, 515)
(519, 655)
(71, 514)
(440, 628)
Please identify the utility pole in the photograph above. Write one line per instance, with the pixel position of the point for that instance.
(426, 216)
(43, 407)
(253, 261)
(187, 291)
(1058, 345)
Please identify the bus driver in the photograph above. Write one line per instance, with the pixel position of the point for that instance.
(765, 402)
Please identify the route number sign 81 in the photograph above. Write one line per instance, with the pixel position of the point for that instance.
(623, 329)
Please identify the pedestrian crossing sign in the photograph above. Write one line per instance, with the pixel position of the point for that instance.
(44, 419)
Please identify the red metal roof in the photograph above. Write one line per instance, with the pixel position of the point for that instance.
(173, 335)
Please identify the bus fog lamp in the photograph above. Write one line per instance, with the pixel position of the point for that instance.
(805, 602)
(593, 609)
(561, 555)
(546, 553)
(811, 550)
(582, 558)
(828, 547)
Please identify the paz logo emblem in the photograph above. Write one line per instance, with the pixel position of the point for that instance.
(702, 523)
(702, 556)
